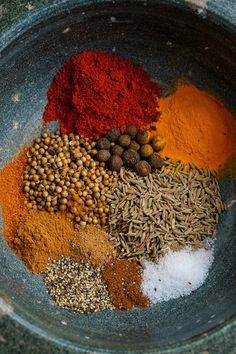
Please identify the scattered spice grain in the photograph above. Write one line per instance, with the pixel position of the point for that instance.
(123, 278)
(77, 287)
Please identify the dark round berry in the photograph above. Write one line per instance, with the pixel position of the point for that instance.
(131, 130)
(130, 157)
(115, 163)
(103, 155)
(113, 134)
(155, 161)
(124, 140)
(117, 150)
(103, 144)
(142, 168)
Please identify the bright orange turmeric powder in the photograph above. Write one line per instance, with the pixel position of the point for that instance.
(197, 128)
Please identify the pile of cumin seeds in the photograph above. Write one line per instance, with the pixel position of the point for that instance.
(174, 208)
(77, 287)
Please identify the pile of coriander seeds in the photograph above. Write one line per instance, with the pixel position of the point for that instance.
(62, 175)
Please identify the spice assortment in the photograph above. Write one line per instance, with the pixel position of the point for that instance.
(118, 209)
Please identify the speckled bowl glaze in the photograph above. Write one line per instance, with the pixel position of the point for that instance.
(171, 39)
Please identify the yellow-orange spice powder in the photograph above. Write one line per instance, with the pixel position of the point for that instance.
(197, 128)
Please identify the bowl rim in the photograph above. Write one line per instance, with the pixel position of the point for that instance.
(216, 13)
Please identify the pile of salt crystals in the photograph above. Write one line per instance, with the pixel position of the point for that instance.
(177, 273)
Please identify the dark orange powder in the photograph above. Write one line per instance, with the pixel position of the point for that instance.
(123, 278)
(11, 195)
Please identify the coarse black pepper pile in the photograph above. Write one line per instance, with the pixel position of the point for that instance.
(77, 287)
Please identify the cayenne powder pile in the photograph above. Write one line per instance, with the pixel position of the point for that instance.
(123, 279)
(96, 91)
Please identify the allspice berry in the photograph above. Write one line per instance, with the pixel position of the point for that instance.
(113, 134)
(103, 144)
(115, 163)
(103, 155)
(146, 150)
(117, 150)
(134, 145)
(131, 130)
(124, 140)
(142, 168)
(155, 161)
(130, 157)
(143, 137)
(158, 143)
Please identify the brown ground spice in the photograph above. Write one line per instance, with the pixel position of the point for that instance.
(123, 279)
(42, 238)
(91, 243)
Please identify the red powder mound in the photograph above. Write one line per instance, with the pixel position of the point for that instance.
(96, 91)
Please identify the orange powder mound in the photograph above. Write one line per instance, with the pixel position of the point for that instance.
(197, 128)
(41, 238)
(11, 195)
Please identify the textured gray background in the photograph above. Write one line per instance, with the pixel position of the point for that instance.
(16, 339)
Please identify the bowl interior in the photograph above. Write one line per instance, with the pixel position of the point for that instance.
(170, 43)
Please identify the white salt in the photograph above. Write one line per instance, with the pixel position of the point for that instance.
(176, 274)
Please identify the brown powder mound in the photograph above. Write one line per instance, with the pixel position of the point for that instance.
(91, 243)
(42, 237)
(11, 195)
(123, 279)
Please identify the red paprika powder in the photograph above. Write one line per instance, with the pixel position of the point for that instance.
(96, 91)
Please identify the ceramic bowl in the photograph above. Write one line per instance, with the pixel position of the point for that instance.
(171, 41)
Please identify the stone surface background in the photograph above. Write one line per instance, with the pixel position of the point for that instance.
(14, 339)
